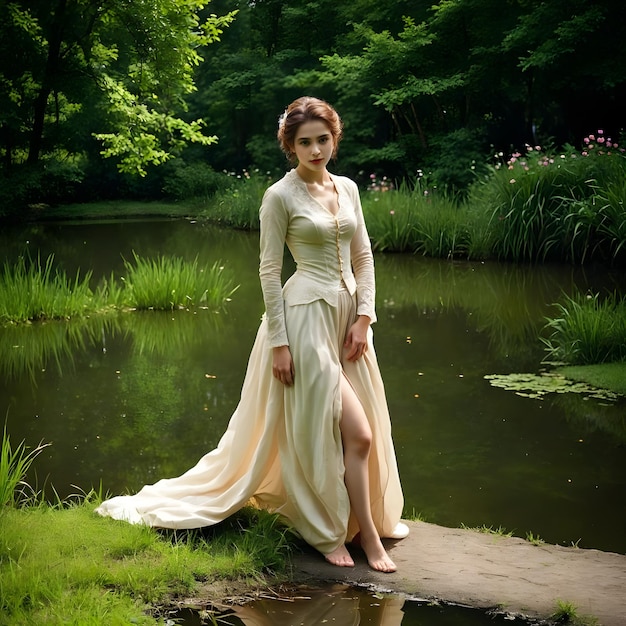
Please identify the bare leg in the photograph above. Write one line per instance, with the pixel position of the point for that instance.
(357, 442)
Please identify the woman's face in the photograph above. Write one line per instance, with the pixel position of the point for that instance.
(313, 145)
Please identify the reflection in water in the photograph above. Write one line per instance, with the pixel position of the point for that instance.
(346, 606)
(129, 398)
(26, 349)
(337, 605)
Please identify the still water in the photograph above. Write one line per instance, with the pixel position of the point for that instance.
(127, 399)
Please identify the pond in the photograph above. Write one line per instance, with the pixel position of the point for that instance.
(127, 399)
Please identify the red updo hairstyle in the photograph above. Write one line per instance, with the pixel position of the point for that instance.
(302, 110)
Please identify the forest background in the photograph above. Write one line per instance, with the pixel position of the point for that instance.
(110, 99)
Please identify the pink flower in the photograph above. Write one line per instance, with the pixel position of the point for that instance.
(600, 139)
(587, 140)
(600, 132)
(584, 153)
(372, 176)
(592, 137)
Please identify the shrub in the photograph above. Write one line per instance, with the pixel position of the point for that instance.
(193, 180)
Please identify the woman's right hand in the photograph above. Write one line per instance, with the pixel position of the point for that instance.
(282, 366)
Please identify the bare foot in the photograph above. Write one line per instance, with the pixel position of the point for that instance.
(377, 556)
(340, 557)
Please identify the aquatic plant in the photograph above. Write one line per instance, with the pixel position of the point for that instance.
(538, 385)
(587, 329)
(32, 290)
(169, 283)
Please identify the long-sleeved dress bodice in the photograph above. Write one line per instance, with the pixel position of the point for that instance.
(330, 251)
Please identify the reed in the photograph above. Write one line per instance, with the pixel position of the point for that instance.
(167, 283)
(587, 330)
(30, 290)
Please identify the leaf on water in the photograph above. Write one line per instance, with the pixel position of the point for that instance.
(538, 385)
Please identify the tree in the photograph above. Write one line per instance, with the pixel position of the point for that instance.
(121, 68)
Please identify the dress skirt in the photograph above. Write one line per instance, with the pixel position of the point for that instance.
(282, 449)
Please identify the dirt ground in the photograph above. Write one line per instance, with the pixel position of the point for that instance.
(486, 571)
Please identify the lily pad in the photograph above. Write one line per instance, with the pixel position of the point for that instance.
(538, 385)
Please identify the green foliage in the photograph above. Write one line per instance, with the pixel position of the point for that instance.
(588, 329)
(65, 563)
(14, 465)
(116, 71)
(30, 290)
(193, 180)
(169, 283)
(548, 206)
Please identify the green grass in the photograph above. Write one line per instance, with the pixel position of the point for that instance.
(168, 283)
(67, 565)
(64, 564)
(32, 291)
(14, 464)
(587, 330)
(603, 375)
(567, 613)
(413, 219)
(489, 530)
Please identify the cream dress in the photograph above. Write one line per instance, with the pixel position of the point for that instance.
(282, 448)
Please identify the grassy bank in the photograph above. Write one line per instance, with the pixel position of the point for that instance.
(539, 205)
(64, 564)
(603, 375)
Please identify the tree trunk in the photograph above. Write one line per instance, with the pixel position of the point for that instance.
(47, 82)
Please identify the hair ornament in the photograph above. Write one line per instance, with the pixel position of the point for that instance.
(282, 118)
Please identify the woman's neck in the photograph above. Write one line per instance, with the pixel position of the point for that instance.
(311, 177)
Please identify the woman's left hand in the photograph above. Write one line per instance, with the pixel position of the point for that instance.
(356, 339)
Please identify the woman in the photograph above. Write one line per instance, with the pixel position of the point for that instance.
(311, 435)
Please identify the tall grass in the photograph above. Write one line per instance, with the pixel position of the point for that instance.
(168, 283)
(412, 219)
(238, 205)
(588, 330)
(14, 464)
(30, 290)
(567, 207)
